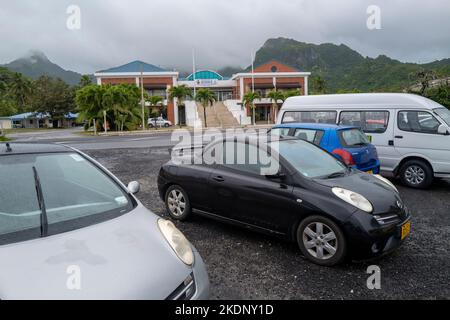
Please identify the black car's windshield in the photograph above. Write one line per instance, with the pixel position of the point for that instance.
(75, 192)
(444, 113)
(309, 160)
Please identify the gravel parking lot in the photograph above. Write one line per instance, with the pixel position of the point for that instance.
(248, 265)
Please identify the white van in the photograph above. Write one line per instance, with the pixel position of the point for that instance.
(410, 132)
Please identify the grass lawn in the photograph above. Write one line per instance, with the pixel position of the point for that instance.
(3, 139)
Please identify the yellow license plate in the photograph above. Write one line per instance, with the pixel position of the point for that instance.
(406, 229)
(370, 172)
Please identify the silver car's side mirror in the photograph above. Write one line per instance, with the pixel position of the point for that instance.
(134, 187)
(442, 129)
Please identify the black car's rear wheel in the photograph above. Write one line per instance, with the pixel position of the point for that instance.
(321, 241)
(177, 203)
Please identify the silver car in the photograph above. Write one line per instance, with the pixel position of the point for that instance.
(70, 230)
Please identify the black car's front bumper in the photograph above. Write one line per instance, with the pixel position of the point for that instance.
(368, 238)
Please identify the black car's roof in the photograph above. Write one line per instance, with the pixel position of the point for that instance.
(26, 148)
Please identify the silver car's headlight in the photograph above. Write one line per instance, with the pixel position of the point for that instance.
(177, 241)
(386, 181)
(355, 199)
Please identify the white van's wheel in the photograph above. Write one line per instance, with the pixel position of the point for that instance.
(416, 174)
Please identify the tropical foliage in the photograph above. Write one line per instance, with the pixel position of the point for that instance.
(155, 102)
(249, 101)
(120, 102)
(318, 85)
(344, 68)
(180, 92)
(19, 94)
(206, 98)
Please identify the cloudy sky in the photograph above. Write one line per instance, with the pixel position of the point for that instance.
(223, 32)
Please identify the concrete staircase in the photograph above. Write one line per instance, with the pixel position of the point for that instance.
(217, 116)
(226, 118)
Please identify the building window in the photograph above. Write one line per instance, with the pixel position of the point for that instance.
(274, 69)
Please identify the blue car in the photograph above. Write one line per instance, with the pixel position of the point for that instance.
(347, 143)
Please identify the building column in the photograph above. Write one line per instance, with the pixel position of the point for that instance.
(137, 81)
(99, 81)
(305, 86)
(241, 88)
(171, 108)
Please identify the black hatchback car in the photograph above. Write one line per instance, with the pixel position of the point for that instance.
(289, 188)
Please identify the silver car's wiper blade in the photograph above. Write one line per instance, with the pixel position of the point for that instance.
(41, 202)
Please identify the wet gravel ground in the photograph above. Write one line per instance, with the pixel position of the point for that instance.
(248, 265)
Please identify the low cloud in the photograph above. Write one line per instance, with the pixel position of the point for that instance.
(222, 32)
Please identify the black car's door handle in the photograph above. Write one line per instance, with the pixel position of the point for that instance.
(398, 137)
(219, 179)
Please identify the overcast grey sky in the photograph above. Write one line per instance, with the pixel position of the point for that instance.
(223, 32)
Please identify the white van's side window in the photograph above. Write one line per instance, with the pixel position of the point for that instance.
(310, 117)
(418, 121)
(368, 121)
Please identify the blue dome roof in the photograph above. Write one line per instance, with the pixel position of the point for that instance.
(204, 74)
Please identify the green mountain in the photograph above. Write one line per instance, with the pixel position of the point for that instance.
(345, 69)
(36, 64)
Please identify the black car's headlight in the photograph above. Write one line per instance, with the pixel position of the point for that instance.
(177, 241)
(353, 198)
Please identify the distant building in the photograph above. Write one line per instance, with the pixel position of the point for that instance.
(5, 123)
(266, 77)
(41, 120)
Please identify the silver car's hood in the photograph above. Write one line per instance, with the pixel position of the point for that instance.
(123, 258)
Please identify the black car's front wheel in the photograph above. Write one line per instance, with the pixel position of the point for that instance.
(177, 203)
(321, 241)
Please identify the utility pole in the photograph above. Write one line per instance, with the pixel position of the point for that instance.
(193, 73)
(253, 69)
(104, 121)
(142, 98)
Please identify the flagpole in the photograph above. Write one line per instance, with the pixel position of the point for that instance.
(193, 72)
(253, 76)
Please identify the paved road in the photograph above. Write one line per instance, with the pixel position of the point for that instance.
(248, 265)
(73, 138)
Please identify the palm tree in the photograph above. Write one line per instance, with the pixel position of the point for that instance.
(249, 101)
(89, 102)
(275, 96)
(207, 98)
(85, 80)
(115, 101)
(319, 84)
(180, 92)
(292, 93)
(155, 101)
(22, 88)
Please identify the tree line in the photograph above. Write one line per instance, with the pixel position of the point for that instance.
(117, 107)
(20, 94)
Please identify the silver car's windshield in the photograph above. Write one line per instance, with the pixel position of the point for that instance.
(75, 192)
(444, 113)
(309, 160)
